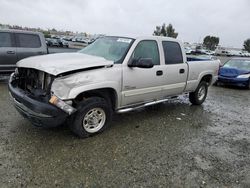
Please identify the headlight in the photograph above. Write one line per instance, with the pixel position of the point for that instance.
(244, 76)
(62, 105)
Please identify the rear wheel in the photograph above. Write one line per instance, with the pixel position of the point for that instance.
(92, 117)
(199, 95)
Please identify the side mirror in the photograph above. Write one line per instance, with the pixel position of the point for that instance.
(141, 63)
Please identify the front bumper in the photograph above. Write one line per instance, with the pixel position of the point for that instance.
(234, 81)
(38, 112)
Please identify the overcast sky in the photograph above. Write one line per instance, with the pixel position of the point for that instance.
(192, 19)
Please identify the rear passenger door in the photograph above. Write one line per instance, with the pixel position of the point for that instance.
(8, 57)
(28, 45)
(176, 69)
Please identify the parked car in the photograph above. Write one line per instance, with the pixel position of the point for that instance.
(209, 52)
(113, 74)
(16, 45)
(245, 54)
(201, 51)
(220, 51)
(235, 53)
(52, 42)
(188, 50)
(63, 43)
(235, 72)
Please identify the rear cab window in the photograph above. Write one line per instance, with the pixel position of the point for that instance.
(28, 40)
(172, 52)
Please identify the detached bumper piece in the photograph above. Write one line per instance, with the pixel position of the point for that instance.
(39, 112)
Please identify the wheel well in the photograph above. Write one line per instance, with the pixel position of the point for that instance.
(108, 94)
(207, 78)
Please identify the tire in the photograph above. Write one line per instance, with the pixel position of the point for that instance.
(216, 83)
(85, 123)
(200, 94)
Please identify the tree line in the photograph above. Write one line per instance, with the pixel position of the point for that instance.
(209, 42)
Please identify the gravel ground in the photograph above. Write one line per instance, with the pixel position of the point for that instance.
(170, 145)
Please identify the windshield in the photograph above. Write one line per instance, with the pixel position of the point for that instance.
(243, 64)
(110, 48)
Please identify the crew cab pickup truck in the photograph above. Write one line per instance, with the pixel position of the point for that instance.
(112, 75)
(16, 45)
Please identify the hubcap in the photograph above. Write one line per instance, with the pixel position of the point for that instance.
(201, 93)
(94, 120)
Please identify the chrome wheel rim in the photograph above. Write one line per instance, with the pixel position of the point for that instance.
(201, 93)
(94, 120)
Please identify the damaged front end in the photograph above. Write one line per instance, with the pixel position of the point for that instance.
(31, 93)
(36, 82)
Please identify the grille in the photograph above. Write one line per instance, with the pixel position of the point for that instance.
(34, 81)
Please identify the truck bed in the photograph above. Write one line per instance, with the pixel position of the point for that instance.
(198, 68)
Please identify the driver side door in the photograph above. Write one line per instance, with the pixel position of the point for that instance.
(142, 85)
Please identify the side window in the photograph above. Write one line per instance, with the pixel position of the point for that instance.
(5, 40)
(147, 49)
(28, 40)
(172, 52)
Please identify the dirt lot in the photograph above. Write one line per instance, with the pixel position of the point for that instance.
(170, 145)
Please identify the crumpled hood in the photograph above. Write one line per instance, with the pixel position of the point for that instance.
(56, 64)
(232, 72)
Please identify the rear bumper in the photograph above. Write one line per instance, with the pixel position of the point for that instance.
(38, 112)
(234, 81)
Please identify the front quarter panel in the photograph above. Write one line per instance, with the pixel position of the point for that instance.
(69, 87)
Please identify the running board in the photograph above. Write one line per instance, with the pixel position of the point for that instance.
(124, 110)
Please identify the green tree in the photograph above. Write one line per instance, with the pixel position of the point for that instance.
(163, 30)
(171, 31)
(46, 34)
(157, 31)
(168, 31)
(210, 42)
(247, 45)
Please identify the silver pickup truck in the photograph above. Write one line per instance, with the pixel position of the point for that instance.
(114, 74)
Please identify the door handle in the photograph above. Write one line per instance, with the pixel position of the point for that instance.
(182, 71)
(159, 73)
(10, 52)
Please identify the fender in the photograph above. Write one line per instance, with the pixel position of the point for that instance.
(193, 84)
(101, 85)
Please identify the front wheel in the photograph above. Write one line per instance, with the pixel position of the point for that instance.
(200, 94)
(92, 117)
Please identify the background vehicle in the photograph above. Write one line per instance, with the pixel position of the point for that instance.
(188, 50)
(235, 53)
(16, 45)
(235, 72)
(52, 42)
(63, 43)
(220, 51)
(245, 54)
(209, 52)
(113, 74)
